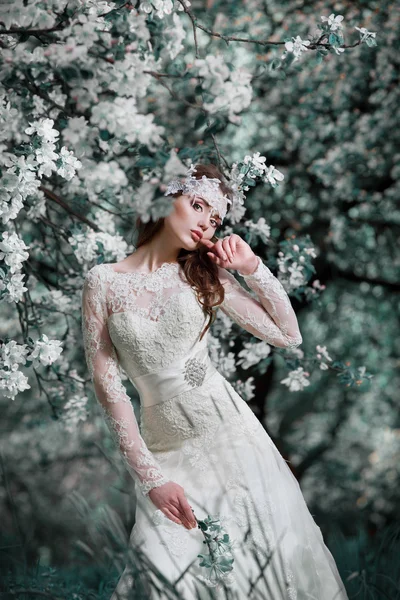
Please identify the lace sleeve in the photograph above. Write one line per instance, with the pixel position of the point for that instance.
(271, 316)
(103, 366)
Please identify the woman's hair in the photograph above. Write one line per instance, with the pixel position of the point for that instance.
(199, 270)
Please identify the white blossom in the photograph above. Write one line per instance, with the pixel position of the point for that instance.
(86, 246)
(13, 382)
(272, 175)
(175, 35)
(15, 288)
(232, 90)
(323, 354)
(252, 354)
(61, 55)
(261, 228)
(100, 176)
(245, 389)
(318, 285)
(334, 23)
(365, 34)
(121, 118)
(162, 7)
(310, 252)
(338, 49)
(75, 412)
(37, 208)
(76, 130)
(296, 380)
(69, 164)
(257, 161)
(46, 158)
(297, 46)
(13, 251)
(43, 128)
(45, 351)
(296, 275)
(13, 354)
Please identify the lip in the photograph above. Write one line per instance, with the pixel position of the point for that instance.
(196, 234)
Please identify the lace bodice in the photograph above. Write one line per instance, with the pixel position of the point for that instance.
(143, 321)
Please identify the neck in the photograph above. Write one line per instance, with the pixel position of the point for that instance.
(153, 254)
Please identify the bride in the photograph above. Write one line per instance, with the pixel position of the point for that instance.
(208, 478)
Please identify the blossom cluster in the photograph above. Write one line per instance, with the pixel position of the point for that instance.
(242, 175)
(41, 352)
(334, 26)
(231, 90)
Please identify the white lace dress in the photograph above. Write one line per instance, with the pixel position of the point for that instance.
(197, 431)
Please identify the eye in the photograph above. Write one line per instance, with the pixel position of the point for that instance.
(215, 222)
(197, 204)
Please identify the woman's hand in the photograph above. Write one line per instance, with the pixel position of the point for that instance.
(171, 500)
(232, 252)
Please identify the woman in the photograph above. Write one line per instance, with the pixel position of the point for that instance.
(200, 450)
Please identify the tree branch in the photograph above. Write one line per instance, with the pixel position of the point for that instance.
(49, 194)
(22, 31)
(173, 94)
(234, 38)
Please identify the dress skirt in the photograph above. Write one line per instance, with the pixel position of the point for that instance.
(210, 442)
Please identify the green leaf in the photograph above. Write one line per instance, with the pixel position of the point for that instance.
(333, 39)
(280, 74)
(145, 162)
(104, 135)
(200, 120)
(274, 64)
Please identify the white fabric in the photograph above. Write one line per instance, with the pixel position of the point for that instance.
(198, 432)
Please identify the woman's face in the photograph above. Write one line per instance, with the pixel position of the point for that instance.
(191, 213)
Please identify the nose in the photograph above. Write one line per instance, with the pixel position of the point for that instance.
(203, 224)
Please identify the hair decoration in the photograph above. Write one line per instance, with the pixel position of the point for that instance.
(206, 188)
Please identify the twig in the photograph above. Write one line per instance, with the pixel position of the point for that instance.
(234, 38)
(174, 94)
(22, 31)
(35, 592)
(66, 207)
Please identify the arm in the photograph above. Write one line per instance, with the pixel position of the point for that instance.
(271, 317)
(102, 362)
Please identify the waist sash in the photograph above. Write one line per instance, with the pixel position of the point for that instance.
(184, 375)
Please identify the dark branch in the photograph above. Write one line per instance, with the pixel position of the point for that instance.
(66, 207)
(234, 38)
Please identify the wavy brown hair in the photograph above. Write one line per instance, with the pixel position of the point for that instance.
(199, 270)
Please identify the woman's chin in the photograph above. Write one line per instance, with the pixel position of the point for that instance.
(189, 246)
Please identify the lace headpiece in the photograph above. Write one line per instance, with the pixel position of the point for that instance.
(206, 187)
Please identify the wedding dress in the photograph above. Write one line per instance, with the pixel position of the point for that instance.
(197, 431)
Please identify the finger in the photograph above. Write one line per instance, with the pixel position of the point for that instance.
(172, 517)
(219, 249)
(215, 259)
(176, 509)
(187, 511)
(206, 242)
(227, 247)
